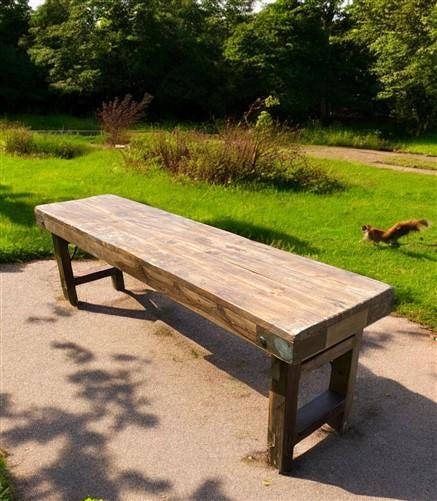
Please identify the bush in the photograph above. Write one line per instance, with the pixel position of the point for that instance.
(22, 141)
(234, 155)
(19, 140)
(118, 115)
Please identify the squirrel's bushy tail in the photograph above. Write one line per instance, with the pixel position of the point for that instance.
(422, 223)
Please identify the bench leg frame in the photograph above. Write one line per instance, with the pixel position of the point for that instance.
(69, 281)
(289, 424)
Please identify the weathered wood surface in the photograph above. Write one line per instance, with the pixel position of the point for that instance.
(62, 255)
(283, 404)
(291, 306)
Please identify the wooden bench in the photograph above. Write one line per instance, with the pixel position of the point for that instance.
(302, 312)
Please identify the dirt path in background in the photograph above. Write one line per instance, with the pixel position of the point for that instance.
(380, 159)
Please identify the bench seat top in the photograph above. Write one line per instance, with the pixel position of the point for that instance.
(252, 289)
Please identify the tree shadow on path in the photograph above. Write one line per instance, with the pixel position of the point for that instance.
(390, 451)
(83, 465)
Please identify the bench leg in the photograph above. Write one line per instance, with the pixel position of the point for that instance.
(343, 377)
(65, 270)
(282, 414)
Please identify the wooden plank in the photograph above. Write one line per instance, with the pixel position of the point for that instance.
(221, 274)
(283, 398)
(154, 221)
(343, 327)
(330, 354)
(95, 275)
(316, 413)
(217, 241)
(176, 237)
(351, 325)
(65, 270)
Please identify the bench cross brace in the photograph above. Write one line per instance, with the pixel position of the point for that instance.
(69, 281)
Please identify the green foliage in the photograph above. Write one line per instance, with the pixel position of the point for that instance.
(5, 487)
(299, 51)
(109, 48)
(20, 83)
(53, 121)
(210, 59)
(234, 155)
(264, 121)
(342, 136)
(402, 36)
(22, 141)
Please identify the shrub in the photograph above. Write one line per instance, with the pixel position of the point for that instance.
(19, 140)
(118, 115)
(234, 155)
(22, 141)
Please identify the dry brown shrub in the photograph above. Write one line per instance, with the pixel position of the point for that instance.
(117, 116)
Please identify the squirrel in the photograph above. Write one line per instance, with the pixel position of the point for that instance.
(397, 231)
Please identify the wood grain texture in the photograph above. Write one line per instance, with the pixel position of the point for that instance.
(283, 402)
(288, 305)
(65, 269)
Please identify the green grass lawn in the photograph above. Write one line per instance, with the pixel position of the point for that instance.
(324, 227)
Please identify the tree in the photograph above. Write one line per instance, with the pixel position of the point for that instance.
(105, 48)
(19, 81)
(402, 36)
(297, 49)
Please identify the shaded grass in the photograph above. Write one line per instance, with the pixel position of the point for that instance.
(326, 228)
(53, 121)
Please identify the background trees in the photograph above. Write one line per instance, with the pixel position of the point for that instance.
(402, 36)
(300, 51)
(19, 79)
(211, 58)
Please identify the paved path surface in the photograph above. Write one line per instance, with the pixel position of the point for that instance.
(381, 159)
(132, 397)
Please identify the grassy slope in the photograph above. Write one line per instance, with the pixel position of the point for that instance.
(326, 228)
